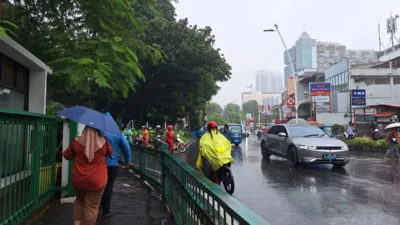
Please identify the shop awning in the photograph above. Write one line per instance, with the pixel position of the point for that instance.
(385, 114)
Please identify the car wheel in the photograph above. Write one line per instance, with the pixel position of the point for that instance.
(264, 150)
(292, 157)
(338, 166)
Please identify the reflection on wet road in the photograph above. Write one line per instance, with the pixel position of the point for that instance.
(366, 191)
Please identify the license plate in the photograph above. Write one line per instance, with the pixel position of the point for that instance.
(329, 156)
(236, 135)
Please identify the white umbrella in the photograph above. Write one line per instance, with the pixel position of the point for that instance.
(393, 125)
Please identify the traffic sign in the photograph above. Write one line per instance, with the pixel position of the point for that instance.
(290, 102)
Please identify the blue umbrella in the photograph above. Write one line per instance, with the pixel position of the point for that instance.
(91, 118)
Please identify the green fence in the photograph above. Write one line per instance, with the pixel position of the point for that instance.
(27, 163)
(192, 198)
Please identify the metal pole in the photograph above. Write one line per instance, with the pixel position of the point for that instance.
(293, 71)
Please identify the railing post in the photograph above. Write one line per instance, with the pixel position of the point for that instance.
(53, 152)
(142, 165)
(36, 150)
(163, 174)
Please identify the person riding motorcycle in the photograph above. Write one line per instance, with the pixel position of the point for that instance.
(158, 135)
(159, 131)
(259, 133)
(170, 138)
(216, 149)
(128, 134)
(145, 134)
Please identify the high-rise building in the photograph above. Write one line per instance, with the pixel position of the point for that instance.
(258, 96)
(310, 55)
(303, 55)
(268, 81)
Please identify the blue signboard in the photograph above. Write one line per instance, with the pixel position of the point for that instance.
(319, 88)
(361, 101)
(359, 93)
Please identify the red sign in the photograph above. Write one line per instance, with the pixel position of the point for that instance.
(290, 102)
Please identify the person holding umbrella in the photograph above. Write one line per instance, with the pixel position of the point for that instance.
(392, 138)
(89, 173)
(118, 143)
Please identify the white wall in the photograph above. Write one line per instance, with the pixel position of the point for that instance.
(37, 91)
(332, 118)
(376, 93)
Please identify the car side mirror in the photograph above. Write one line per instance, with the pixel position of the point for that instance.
(282, 134)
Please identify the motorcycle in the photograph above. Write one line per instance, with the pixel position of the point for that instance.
(375, 135)
(181, 146)
(157, 141)
(139, 140)
(348, 136)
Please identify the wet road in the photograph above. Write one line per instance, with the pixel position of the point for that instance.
(366, 191)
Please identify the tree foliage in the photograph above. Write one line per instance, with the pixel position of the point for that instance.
(129, 57)
(232, 113)
(213, 107)
(86, 42)
(252, 108)
(217, 117)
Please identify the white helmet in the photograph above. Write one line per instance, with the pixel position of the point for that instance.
(158, 126)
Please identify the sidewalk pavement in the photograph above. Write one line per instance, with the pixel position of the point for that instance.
(133, 203)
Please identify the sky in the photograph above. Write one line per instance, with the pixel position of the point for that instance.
(238, 26)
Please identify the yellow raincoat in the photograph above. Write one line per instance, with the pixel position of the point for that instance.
(216, 150)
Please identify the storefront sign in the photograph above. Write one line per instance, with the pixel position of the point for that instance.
(358, 97)
(358, 101)
(319, 88)
(320, 99)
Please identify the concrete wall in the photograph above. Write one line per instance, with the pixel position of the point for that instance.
(37, 91)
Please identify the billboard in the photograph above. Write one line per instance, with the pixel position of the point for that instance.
(320, 88)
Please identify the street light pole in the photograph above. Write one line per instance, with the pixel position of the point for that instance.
(293, 71)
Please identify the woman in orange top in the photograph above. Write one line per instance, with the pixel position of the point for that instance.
(89, 173)
(145, 134)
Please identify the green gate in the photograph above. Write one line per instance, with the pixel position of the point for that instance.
(27, 163)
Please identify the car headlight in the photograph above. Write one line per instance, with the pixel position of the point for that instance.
(308, 147)
(345, 148)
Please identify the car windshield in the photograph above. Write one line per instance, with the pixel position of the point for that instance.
(235, 129)
(328, 131)
(305, 131)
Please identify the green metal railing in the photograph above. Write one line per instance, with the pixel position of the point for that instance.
(191, 197)
(27, 163)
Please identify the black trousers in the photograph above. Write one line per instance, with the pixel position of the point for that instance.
(105, 204)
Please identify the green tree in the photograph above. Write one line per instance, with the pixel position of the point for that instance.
(213, 107)
(252, 108)
(88, 43)
(230, 110)
(179, 87)
(217, 117)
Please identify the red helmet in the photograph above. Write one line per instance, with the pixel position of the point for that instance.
(169, 127)
(212, 124)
